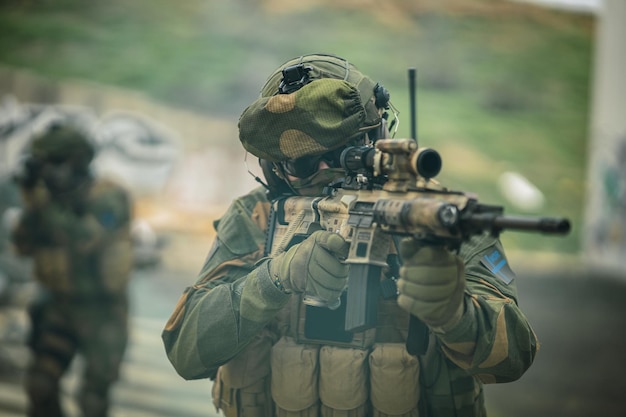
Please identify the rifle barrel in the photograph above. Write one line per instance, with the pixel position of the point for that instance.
(551, 225)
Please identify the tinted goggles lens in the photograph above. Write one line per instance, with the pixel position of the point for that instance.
(308, 165)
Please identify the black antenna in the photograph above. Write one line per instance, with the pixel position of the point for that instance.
(412, 76)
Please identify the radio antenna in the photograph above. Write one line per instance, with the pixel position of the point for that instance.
(412, 99)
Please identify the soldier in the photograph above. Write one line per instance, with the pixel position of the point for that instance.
(76, 228)
(244, 325)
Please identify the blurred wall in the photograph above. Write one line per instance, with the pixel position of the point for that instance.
(604, 242)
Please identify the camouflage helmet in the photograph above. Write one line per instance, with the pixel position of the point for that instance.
(311, 105)
(63, 142)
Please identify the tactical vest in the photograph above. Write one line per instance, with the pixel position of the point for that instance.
(305, 365)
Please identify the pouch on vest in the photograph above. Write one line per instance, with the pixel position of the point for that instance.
(307, 326)
(115, 264)
(295, 378)
(394, 381)
(241, 388)
(52, 269)
(343, 382)
(392, 324)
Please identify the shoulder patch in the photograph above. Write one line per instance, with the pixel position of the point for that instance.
(108, 219)
(498, 265)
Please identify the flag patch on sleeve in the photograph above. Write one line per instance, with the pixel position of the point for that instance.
(497, 264)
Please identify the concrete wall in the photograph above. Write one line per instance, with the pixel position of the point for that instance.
(605, 224)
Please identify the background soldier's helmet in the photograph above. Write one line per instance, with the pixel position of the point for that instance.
(63, 143)
(60, 156)
(311, 105)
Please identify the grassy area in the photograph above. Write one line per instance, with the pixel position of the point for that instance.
(509, 83)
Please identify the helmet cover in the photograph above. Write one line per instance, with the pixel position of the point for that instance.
(63, 142)
(332, 104)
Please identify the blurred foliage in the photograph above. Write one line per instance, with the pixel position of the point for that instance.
(505, 82)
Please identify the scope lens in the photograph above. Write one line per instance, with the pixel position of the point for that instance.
(428, 163)
(355, 158)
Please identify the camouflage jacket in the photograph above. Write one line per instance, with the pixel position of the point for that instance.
(234, 301)
(82, 247)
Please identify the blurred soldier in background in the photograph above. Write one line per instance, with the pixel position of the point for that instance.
(76, 229)
(244, 323)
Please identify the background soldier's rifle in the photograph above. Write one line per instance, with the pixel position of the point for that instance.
(388, 190)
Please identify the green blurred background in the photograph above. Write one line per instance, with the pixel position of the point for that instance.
(502, 86)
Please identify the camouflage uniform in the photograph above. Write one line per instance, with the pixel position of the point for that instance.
(235, 303)
(271, 355)
(80, 241)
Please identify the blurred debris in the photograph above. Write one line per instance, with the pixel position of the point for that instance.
(14, 331)
(19, 122)
(136, 151)
(16, 287)
(148, 245)
(520, 192)
(15, 272)
(133, 150)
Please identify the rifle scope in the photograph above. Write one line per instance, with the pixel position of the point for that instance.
(357, 158)
(428, 163)
(425, 162)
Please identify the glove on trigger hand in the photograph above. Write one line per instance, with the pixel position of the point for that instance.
(318, 259)
(431, 284)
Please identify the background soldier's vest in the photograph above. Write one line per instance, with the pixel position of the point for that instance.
(99, 266)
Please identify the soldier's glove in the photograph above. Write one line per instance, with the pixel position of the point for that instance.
(319, 260)
(431, 284)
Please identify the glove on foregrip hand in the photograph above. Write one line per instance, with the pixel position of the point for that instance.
(317, 259)
(431, 284)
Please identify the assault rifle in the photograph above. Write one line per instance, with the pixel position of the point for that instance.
(388, 190)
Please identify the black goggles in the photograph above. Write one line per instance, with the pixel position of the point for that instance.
(308, 165)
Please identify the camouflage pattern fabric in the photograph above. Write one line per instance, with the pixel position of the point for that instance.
(221, 320)
(95, 329)
(321, 116)
(330, 66)
(335, 106)
(63, 142)
(82, 252)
